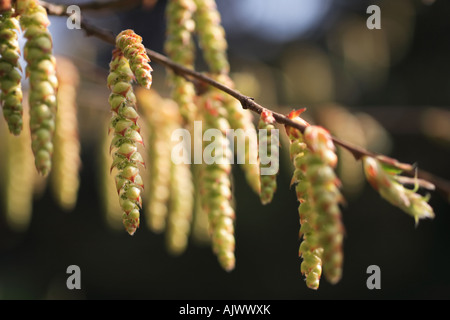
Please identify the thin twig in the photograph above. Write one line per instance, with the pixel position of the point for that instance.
(113, 5)
(441, 185)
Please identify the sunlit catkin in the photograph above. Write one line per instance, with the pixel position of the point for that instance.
(10, 72)
(124, 145)
(41, 71)
(181, 208)
(65, 178)
(108, 191)
(241, 121)
(215, 191)
(134, 51)
(326, 197)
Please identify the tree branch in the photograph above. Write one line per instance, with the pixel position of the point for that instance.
(441, 185)
(116, 4)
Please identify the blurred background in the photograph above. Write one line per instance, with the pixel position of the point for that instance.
(387, 90)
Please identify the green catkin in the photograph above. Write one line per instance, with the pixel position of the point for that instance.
(124, 145)
(215, 191)
(309, 250)
(200, 224)
(41, 70)
(326, 197)
(10, 72)
(394, 192)
(181, 208)
(268, 181)
(179, 47)
(65, 178)
(211, 36)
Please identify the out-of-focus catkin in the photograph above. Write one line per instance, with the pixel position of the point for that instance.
(18, 178)
(181, 208)
(65, 178)
(215, 190)
(161, 116)
(10, 72)
(111, 207)
(326, 197)
(241, 121)
(134, 51)
(179, 47)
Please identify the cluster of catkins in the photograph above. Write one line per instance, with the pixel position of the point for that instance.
(41, 71)
(171, 188)
(34, 121)
(22, 183)
(212, 183)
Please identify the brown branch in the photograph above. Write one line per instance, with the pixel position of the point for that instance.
(441, 185)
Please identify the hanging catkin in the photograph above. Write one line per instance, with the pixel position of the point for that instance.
(309, 250)
(111, 207)
(66, 158)
(18, 178)
(181, 208)
(179, 47)
(10, 72)
(211, 36)
(268, 140)
(215, 191)
(160, 122)
(41, 70)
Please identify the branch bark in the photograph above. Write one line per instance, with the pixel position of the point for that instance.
(442, 186)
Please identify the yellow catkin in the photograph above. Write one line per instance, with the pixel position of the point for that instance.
(18, 173)
(216, 184)
(65, 178)
(200, 224)
(10, 72)
(179, 47)
(159, 117)
(41, 72)
(181, 208)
